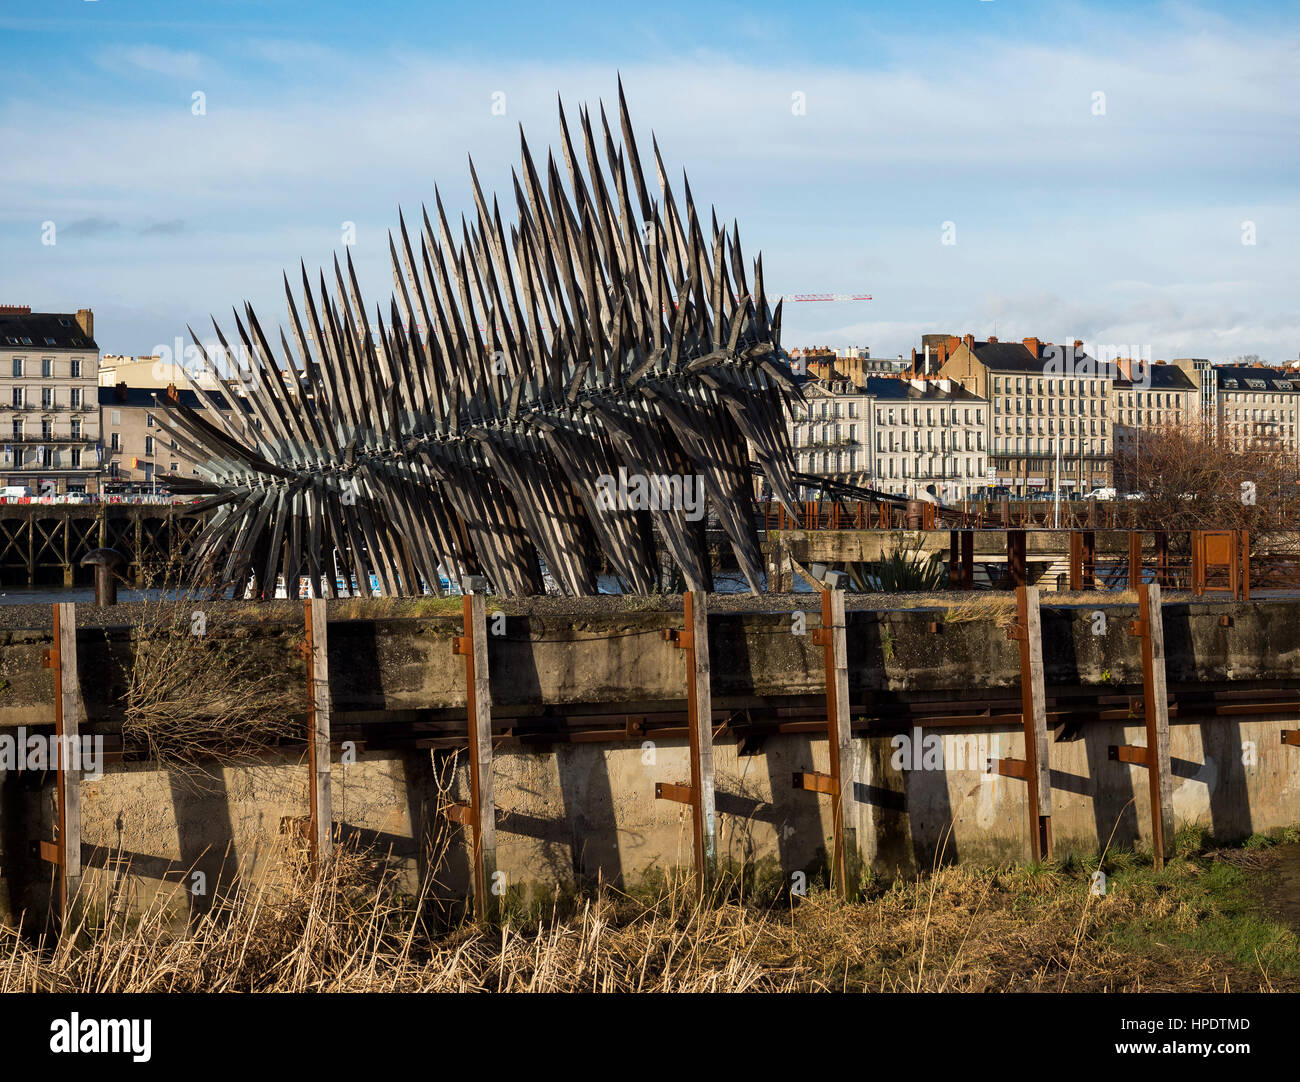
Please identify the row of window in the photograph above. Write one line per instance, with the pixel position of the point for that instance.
(47, 430)
(115, 443)
(49, 369)
(974, 441)
(947, 415)
(1155, 418)
(1053, 428)
(49, 398)
(906, 466)
(49, 457)
(1039, 385)
(1150, 399)
(1068, 447)
(1026, 405)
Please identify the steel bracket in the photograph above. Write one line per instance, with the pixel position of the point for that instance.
(459, 813)
(682, 638)
(1010, 768)
(676, 791)
(815, 782)
(1129, 753)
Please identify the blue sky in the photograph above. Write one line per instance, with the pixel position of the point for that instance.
(1123, 226)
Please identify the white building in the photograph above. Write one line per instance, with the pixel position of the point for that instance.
(903, 436)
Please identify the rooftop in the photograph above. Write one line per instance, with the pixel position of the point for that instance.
(22, 328)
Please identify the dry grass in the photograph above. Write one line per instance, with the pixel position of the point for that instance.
(958, 929)
(985, 606)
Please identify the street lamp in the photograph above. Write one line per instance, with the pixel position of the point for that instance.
(153, 454)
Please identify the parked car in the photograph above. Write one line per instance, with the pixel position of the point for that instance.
(1100, 494)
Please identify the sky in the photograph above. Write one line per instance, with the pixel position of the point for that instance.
(1112, 172)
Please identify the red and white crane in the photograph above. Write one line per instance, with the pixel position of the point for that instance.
(824, 297)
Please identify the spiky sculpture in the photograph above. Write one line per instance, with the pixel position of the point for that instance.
(603, 337)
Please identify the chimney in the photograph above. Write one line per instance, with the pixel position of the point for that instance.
(1032, 344)
(86, 320)
(927, 360)
(119, 392)
(993, 339)
(1078, 343)
(968, 340)
(953, 343)
(15, 309)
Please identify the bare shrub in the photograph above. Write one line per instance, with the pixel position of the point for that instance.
(1193, 478)
(195, 701)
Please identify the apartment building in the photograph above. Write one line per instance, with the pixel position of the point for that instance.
(49, 413)
(1147, 398)
(829, 432)
(896, 435)
(1049, 410)
(1258, 404)
(927, 436)
(136, 449)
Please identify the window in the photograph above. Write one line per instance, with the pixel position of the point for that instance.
(117, 417)
(76, 369)
(47, 367)
(18, 398)
(18, 430)
(148, 420)
(148, 445)
(76, 398)
(76, 430)
(47, 397)
(76, 458)
(115, 442)
(47, 430)
(18, 367)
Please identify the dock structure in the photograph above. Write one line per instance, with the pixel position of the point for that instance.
(613, 743)
(42, 544)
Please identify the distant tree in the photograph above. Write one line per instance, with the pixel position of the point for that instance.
(1192, 478)
(1246, 358)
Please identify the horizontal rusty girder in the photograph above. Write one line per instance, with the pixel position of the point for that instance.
(1010, 768)
(815, 782)
(667, 790)
(1130, 753)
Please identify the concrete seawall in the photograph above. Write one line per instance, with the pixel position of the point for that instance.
(587, 712)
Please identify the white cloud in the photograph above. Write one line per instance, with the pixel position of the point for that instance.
(153, 59)
(1068, 223)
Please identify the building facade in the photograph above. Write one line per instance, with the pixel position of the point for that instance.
(136, 450)
(49, 410)
(1145, 399)
(1049, 411)
(829, 431)
(928, 436)
(1258, 404)
(901, 436)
